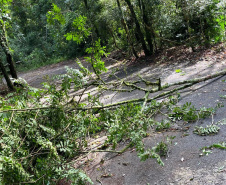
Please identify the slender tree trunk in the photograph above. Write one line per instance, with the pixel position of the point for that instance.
(6, 76)
(147, 24)
(5, 47)
(127, 30)
(138, 29)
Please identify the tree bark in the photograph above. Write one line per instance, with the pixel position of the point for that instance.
(138, 29)
(6, 76)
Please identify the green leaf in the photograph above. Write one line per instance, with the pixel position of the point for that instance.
(178, 70)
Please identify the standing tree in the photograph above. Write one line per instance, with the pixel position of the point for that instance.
(147, 25)
(125, 26)
(4, 22)
(138, 28)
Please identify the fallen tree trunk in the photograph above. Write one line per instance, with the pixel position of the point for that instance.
(188, 83)
(185, 84)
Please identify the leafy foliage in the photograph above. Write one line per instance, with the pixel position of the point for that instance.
(203, 131)
(221, 122)
(80, 31)
(38, 40)
(35, 144)
(79, 34)
(97, 51)
(41, 131)
(207, 149)
(187, 112)
(55, 14)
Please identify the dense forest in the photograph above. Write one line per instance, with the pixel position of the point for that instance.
(43, 130)
(32, 33)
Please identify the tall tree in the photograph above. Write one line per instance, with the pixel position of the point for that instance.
(125, 26)
(138, 28)
(147, 25)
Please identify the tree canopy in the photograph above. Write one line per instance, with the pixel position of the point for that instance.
(128, 25)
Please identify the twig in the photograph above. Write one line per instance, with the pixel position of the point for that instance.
(93, 151)
(146, 82)
(135, 86)
(196, 80)
(192, 82)
(212, 119)
(145, 101)
(28, 109)
(114, 96)
(36, 114)
(135, 100)
(98, 180)
(118, 90)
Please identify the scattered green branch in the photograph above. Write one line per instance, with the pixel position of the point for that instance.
(145, 101)
(208, 130)
(221, 145)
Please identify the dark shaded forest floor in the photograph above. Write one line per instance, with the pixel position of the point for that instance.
(183, 165)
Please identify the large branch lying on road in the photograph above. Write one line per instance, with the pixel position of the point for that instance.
(188, 83)
(185, 84)
(160, 87)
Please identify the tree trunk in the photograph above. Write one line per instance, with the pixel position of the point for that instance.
(6, 76)
(146, 23)
(127, 30)
(138, 29)
(9, 58)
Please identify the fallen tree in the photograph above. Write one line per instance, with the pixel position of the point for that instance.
(44, 131)
(185, 84)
